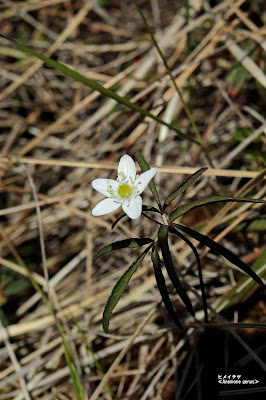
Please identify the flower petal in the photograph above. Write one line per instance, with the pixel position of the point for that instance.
(144, 179)
(105, 206)
(102, 186)
(127, 167)
(133, 207)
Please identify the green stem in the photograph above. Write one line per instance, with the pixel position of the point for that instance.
(187, 111)
(98, 87)
(169, 72)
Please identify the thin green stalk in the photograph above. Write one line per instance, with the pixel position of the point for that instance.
(77, 384)
(97, 86)
(191, 120)
(96, 362)
(188, 51)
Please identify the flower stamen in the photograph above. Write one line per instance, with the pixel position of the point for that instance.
(124, 190)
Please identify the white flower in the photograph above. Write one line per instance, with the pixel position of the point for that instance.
(124, 191)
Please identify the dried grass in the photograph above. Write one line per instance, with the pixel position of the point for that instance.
(58, 135)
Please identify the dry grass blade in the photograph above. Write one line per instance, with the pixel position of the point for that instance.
(14, 361)
(66, 135)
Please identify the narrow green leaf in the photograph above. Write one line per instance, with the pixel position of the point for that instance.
(96, 362)
(193, 248)
(163, 243)
(216, 199)
(123, 214)
(96, 86)
(217, 248)
(76, 380)
(119, 289)
(183, 186)
(162, 286)
(145, 167)
(250, 224)
(17, 286)
(121, 244)
(245, 287)
(150, 208)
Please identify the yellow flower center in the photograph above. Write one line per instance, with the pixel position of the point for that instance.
(124, 190)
